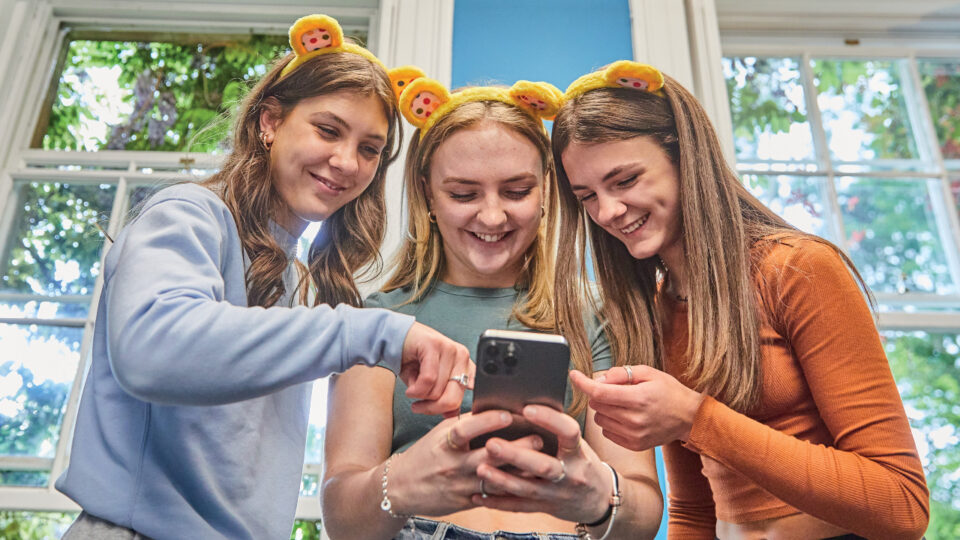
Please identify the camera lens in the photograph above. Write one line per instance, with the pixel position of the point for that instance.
(510, 360)
(492, 349)
(490, 367)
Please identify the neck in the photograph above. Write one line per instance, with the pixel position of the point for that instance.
(677, 271)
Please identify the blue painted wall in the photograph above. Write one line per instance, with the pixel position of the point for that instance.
(502, 41)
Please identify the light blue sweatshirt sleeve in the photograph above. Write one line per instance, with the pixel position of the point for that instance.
(174, 338)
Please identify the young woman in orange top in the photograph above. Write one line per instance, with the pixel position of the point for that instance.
(745, 346)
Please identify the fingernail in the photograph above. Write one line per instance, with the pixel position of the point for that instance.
(531, 411)
(537, 443)
(493, 447)
(505, 417)
(601, 378)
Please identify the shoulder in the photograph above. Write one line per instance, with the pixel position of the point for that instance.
(187, 205)
(387, 299)
(186, 193)
(798, 257)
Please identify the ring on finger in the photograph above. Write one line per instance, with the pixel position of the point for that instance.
(450, 443)
(483, 492)
(629, 374)
(462, 378)
(563, 473)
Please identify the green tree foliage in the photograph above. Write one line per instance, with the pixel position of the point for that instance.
(941, 83)
(172, 90)
(927, 370)
(33, 525)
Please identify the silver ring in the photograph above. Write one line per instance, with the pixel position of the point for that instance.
(563, 473)
(461, 378)
(629, 374)
(483, 493)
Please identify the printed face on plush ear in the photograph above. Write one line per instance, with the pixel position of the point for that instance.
(315, 32)
(537, 98)
(421, 98)
(401, 77)
(633, 75)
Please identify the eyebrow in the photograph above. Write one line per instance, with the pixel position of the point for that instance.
(327, 115)
(614, 172)
(467, 181)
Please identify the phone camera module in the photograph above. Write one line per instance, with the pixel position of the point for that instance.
(490, 367)
(510, 360)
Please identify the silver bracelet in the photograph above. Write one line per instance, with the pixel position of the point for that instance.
(615, 502)
(385, 504)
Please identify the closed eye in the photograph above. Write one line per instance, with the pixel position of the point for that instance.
(628, 182)
(519, 193)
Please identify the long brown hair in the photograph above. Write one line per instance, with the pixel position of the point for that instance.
(350, 239)
(726, 231)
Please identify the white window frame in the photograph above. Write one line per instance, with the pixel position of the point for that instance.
(894, 316)
(34, 35)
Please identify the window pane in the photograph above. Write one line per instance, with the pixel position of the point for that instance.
(768, 109)
(318, 422)
(309, 485)
(34, 525)
(927, 370)
(39, 309)
(864, 111)
(55, 242)
(941, 83)
(36, 372)
(799, 200)
(24, 478)
(892, 234)
(129, 95)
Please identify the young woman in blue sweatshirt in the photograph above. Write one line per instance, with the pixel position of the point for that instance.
(193, 418)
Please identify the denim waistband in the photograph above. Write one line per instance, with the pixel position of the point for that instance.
(418, 528)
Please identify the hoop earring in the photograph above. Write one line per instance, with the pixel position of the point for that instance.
(263, 140)
(431, 217)
(543, 212)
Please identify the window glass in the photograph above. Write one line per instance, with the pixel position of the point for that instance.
(56, 239)
(926, 367)
(768, 109)
(800, 200)
(864, 112)
(941, 83)
(36, 372)
(893, 236)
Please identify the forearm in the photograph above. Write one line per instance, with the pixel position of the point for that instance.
(351, 506)
(639, 515)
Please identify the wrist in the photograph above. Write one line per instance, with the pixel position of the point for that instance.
(615, 501)
(390, 495)
(599, 509)
(695, 399)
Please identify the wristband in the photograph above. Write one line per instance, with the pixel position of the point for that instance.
(615, 502)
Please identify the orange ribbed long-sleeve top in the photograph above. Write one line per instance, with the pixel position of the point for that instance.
(830, 437)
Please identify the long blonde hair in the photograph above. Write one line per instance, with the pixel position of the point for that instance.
(351, 237)
(725, 232)
(420, 261)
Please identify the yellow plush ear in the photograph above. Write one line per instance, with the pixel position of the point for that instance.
(401, 77)
(315, 32)
(421, 98)
(540, 99)
(630, 74)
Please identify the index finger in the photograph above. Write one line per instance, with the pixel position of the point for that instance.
(609, 394)
(449, 401)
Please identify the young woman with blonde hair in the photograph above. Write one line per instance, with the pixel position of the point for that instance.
(193, 418)
(479, 254)
(775, 405)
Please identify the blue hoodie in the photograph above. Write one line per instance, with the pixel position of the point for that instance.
(193, 418)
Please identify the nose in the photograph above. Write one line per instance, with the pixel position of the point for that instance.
(609, 209)
(344, 159)
(492, 213)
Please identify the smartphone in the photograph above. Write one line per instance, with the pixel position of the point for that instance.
(515, 369)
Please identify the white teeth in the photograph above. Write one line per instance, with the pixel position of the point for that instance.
(635, 225)
(489, 237)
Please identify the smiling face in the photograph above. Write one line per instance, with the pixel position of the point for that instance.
(324, 153)
(486, 190)
(631, 189)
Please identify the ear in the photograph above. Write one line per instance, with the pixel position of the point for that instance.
(538, 98)
(401, 77)
(421, 98)
(271, 116)
(634, 75)
(315, 32)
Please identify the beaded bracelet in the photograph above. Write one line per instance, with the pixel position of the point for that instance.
(385, 504)
(615, 502)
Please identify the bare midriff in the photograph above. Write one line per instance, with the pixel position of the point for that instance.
(490, 520)
(792, 527)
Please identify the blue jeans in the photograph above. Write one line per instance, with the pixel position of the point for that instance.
(418, 528)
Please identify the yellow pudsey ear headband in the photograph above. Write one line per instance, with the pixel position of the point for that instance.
(424, 101)
(314, 35)
(620, 74)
